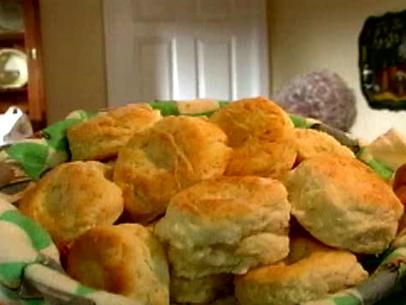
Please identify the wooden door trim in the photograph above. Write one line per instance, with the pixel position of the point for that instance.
(33, 46)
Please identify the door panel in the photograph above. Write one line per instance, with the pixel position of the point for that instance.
(188, 49)
(216, 68)
(156, 66)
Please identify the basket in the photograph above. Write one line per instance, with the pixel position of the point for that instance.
(30, 271)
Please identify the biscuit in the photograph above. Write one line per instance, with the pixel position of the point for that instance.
(310, 143)
(344, 204)
(311, 272)
(200, 290)
(126, 259)
(73, 198)
(101, 137)
(170, 156)
(226, 225)
(257, 118)
(261, 134)
(264, 159)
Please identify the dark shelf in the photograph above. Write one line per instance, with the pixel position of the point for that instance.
(13, 90)
(14, 97)
(12, 36)
(21, 104)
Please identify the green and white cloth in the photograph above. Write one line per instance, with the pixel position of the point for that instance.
(35, 156)
(30, 273)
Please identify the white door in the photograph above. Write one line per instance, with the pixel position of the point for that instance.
(185, 49)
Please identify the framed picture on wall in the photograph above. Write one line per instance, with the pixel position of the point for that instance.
(382, 61)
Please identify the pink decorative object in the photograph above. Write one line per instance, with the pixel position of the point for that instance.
(322, 95)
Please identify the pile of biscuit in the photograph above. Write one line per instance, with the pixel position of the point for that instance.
(238, 208)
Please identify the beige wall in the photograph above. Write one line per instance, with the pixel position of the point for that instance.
(308, 35)
(73, 47)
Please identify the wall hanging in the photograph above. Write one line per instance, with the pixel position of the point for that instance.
(382, 61)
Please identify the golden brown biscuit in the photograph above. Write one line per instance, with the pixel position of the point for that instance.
(343, 203)
(125, 259)
(261, 158)
(175, 153)
(101, 137)
(257, 118)
(226, 225)
(310, 272)
(312, 142)
(73, 198)
(200, 290)
(261, 134)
